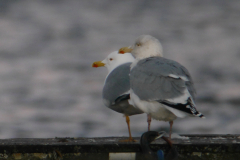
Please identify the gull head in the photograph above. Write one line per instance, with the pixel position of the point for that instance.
(146, 46)
(113, 60)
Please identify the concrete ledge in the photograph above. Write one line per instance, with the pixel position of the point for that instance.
(219, 147)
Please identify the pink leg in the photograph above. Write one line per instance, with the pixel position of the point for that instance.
(170, 131)
(149, 119)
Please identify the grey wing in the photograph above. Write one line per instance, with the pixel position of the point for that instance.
(189, 84)
(164, 81)
(117, 84)
(157, 78)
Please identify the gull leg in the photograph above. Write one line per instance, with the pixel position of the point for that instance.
(149, 119)
(129, 130)
(130, 139)
(170, 131)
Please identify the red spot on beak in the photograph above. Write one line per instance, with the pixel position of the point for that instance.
(94, 65)
(121, 52)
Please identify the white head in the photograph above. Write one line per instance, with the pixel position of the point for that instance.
(113, 60)
(146, 46)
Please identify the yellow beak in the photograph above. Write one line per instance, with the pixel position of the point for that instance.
(124, 50)
(98, 64)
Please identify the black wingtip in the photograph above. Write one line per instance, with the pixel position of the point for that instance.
(122, 98)
(201, 115)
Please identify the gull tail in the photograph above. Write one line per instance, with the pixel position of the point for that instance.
(188, 107)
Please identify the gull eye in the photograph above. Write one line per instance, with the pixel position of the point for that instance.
(138, 44)
(110, 59)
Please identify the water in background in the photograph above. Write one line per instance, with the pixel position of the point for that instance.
(49, 89)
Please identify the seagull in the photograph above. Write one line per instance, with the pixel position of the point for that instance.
(116, 88)
(160, 87)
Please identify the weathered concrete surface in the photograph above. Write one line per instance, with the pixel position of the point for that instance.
(189, 147)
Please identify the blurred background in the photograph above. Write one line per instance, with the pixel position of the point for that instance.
(49, 89)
